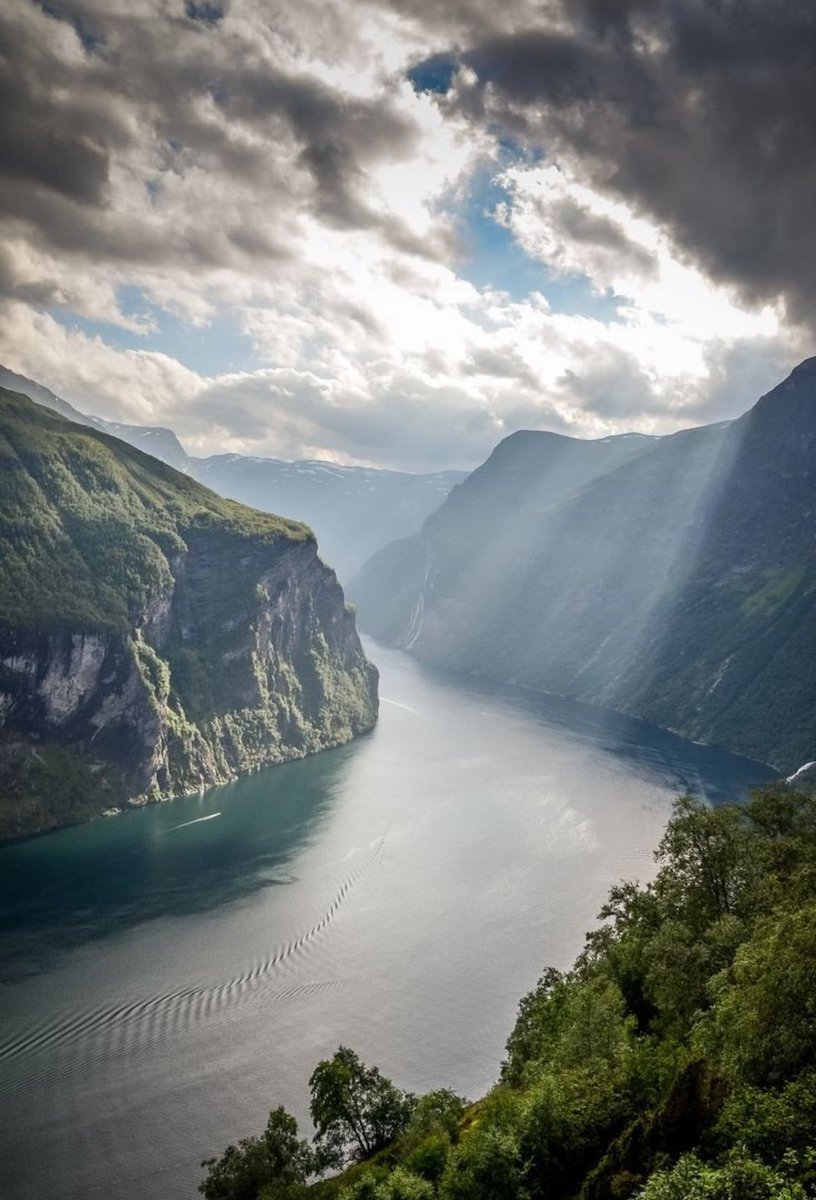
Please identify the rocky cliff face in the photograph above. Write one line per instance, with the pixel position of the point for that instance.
(233, 652)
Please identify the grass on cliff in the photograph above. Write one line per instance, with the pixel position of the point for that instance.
(89, 524)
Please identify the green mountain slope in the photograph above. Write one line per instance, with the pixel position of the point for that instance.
(353, 510)
(678, 585)
(155, 440)
(154, 638)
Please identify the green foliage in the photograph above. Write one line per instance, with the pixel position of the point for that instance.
(436, 1112)
(486, 1163)
(45, 784)
(433, 1129)
(277, 1164)
(399, 1184)
(402, 1185)
(772, 1122)
(763, 1026)
(740, 1178)
(675, 1061)
(566, 1024)
(88, 524)
(430, 1157)
(356, 1110)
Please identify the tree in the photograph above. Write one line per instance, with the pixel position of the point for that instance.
(484, 1166)
(764, 1021)
(278, 1160)
(436, 1112)
(356, 1110)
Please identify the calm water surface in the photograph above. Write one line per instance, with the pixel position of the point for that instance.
(169, 975)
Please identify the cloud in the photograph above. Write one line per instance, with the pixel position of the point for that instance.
(693, 113)
(140, 139)
(300, 174)
(442, 379)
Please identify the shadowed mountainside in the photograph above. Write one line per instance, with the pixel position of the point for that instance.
(673, 579)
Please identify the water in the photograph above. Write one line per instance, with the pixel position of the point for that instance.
(169, 975)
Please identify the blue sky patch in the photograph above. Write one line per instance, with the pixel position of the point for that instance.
(87, 37)
(433, 74)
(209, 13)
(210, 350)
(495, 259)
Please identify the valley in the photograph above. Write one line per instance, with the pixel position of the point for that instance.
(172, 973)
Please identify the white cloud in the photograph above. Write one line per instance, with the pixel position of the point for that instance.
(577, 230)
(287, 173)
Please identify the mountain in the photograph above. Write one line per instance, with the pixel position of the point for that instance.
(154, 637)
(13, 382)
(474, 550)
(153, 439)
(674, 578)
(354, 511)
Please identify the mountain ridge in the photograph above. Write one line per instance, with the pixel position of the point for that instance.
(679, 585)
(157, 440)
(353, 510)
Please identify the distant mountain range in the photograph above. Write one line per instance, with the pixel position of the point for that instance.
(671, 578)
(354, 511)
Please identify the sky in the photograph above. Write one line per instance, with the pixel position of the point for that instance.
(392, 232)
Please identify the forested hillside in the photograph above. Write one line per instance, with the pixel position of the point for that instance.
(354, 511)
(675, 1061)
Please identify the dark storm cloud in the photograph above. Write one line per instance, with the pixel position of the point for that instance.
(699, 113)
(106, 105)
(61, 147)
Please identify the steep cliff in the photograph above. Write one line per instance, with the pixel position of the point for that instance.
(354, 510)
(678, 584)
(154, 638)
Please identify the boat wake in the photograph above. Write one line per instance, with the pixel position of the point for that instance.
(197, 821)
(106, 1031)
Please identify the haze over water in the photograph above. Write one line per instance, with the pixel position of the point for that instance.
(168, 976)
